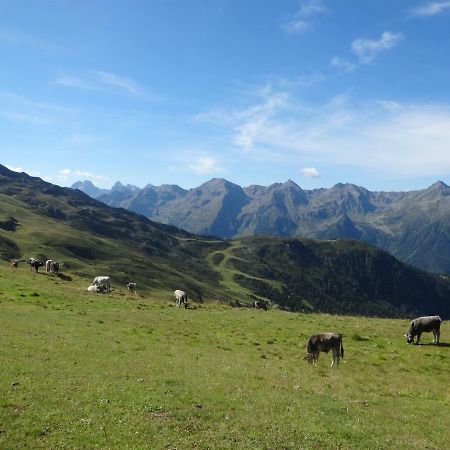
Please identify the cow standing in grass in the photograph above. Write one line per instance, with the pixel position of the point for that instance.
(424, 325)
(324, 343)
(260, 304)
(180, 298)
(35, 264)
(131, 288)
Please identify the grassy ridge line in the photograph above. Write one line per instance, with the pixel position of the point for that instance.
(81, 370)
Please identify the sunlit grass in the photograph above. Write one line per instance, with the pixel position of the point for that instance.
(81, 370)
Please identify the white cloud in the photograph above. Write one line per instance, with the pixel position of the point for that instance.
(342, 65)
(15, 169)
(368, 49)
(297, 26)
(69, 176)
(385, 136)
(311, 172)
(124, 83)
(97, 80)
(73, 82)
(204, 165)
(32, 173)
(310, 7)
(431, 9)
(301, 22)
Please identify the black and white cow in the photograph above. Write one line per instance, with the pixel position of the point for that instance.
(424, 325)
(131, 288)
(54, 267)
(51, 266)
(324, 342)
(180, 298)
(103, 281)
(35, 264)
(260, 304)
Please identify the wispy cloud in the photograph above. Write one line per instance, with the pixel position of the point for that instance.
(301, 20)
(73, 82)
(431, 9)
(98, 80)
(20, 109)
(311, 172)
(126, 84)
(205, 165)
(385, 135)
(249, 123)
(368, 49)
(33, 173)
(342, 65)
(69, 176)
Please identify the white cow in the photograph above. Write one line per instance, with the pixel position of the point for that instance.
(102, 281)
(180, 298)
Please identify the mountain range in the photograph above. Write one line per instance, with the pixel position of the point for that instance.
(90, 238)
(414, 226)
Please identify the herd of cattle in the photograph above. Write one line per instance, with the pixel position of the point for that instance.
(317, 343)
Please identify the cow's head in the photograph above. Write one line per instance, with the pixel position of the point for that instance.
(409, 338)
(309, 357)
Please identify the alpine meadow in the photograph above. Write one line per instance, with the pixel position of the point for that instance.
(224, 224)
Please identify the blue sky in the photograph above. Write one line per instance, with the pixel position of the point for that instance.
(180, 91)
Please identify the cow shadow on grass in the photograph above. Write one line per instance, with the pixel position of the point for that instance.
(64, 277)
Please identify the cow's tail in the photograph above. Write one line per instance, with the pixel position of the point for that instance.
(342, 349)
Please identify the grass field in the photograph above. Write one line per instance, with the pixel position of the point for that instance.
(118, 371)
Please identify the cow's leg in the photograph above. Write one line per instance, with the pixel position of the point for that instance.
(418, 338)
(335, 358)
(437, 335)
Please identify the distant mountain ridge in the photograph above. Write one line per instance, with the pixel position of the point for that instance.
(342, 276)
(414, 226)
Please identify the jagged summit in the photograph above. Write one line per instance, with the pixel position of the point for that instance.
(414, 225)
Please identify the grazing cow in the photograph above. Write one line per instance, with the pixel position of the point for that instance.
(47, 265)
(259, 304)
(324, 343)
(30, 262)
(424, 324)
(35, 264)
(14, 264)
(103, 281)
(131, 288)
(180, 298)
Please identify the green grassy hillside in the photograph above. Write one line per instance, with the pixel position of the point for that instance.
(41, 220)
(112, 371)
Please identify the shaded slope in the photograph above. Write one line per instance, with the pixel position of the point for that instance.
(43, 220)
(414, 226)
